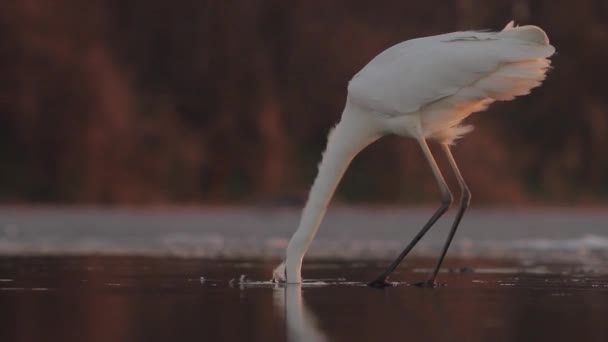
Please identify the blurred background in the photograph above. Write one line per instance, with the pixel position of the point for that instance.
(182, 128)
(188, 102)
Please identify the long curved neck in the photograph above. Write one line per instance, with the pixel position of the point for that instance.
(355, 131)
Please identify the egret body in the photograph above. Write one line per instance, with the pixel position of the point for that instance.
(422, 89)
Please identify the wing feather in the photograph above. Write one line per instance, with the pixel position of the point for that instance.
(415, 73)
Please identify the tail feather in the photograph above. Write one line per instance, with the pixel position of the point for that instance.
(528, 33)
(527, 69)
(514, 79)
(510, 25)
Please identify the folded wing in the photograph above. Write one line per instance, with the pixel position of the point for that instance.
(481, 65)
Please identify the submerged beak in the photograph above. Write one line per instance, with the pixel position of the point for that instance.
(279, 275)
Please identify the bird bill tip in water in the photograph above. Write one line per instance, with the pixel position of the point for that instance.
(278, 275)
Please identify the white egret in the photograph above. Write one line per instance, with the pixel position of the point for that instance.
(423, 89)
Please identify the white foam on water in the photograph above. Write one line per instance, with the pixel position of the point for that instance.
(253, 283)
(582, 248)
(347, 233)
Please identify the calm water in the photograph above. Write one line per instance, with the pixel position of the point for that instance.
(165, 299)
(181, 275)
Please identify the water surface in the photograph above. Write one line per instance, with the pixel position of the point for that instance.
(95, 274)
(175, 299)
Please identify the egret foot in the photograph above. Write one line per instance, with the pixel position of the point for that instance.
(429, 284)
(379, 283)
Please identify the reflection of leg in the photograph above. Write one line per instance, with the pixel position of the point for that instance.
(465, 199)
(301, 323)
(446, 201)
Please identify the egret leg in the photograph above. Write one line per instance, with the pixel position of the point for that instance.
(465, 199)
(446, 201)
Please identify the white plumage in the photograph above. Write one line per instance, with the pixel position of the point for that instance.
(422, 88)
(442, 79)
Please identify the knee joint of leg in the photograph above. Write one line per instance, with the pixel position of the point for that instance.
(447, 199)
(465, 200)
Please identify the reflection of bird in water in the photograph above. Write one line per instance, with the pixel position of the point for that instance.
(301, 323)
(422, 89)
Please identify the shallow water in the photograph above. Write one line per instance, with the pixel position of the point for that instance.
(96, 274)
(175, 299)
(348, 233)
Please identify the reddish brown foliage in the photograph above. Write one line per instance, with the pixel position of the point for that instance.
(108, 101)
